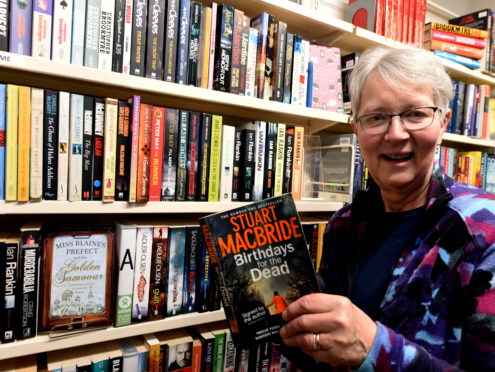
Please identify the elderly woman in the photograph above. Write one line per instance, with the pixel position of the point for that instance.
(407, 268)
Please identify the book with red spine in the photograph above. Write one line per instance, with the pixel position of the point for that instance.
(156, 161)
(143, 163)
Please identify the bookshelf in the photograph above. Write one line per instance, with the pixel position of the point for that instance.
(308, 23)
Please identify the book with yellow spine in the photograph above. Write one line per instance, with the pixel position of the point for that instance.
(215, 157)
(11, 143)
(110, 149)
(36, 148)
(24, 128)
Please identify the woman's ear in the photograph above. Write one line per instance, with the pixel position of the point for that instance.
(443, 125)
(353, 125)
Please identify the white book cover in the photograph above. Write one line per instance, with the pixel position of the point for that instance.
(62, 31)
(142, 269)
(227, 163)
(259, 159)
(126, 53)
(110, 149)
(78, 32)
(36, 154)
(63, 145)
(75, 146)
(303, 73)
(279, 159)
(251, 62)
(296, 70)
(42, 28)
(105, 43)
(126, 251)
(92, 34)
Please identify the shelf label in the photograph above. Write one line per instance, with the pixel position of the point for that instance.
(12, 59)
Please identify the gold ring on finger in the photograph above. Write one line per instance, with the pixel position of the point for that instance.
(316, 342)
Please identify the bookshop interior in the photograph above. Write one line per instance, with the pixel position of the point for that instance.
(188, 185)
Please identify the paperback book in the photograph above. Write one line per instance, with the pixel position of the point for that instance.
(260, 258)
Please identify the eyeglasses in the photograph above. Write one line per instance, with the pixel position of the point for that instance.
(416, 118)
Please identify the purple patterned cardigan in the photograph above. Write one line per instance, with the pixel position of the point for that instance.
(438, 313)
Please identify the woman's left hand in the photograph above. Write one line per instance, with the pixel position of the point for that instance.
(329, 328)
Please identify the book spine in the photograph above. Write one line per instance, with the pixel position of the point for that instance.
(459, 49)
(251, 63)
(460, 30)
(288, 155)
(21, 14)
(309, 84)
(193, 246)
(193, 155)
(5, 29)
(213, 37)
(126, 250)
(243, 61)
(118, 35)
(303, 74)
(181, 183)
(36, 154)
(158, 276)
(105, 43)
(110, 149)
(270, 55)
(136, 106)
(138, 38)
(123, 152)
(226, 164)
(76, 147)
(98, 131)
(279, 160)
(259, 159)
(169, 174)
(171, 40)
(50, 140)
(458, 39)
(127, 42)
(10, 257)
(204, 48)
(62, 31)
(279, 62)
(140, 295)
(223, 48)
(203, 279)
(183, 42)
(156, 155)
(42, 29)
(194, 35)
(248, 164)
(260, 23)
(296, 70)
(11, 142)
(154, 48)
(78, 32)
(229, 353)
(204, 157)
(87, 148)
(289, 52)
(219, 352)
(143, 164)
(63, 145)
(215, 158)
(235, 78)
(236, 165)
(92, 33)
(177, 242)
(24, 133)
(3, 118)
(297, 162)
(269, 169)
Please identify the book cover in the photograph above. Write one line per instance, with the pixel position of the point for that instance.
(227, 163)
(158, 275)
(244, 52)
(171, 40)
(259, 252)
(269, 168)
(142, 270)
(183, 42)
(194, 35)
(11, 142)
(136, 109)
(110, 149)
(92, 33)
(24, 133)
(177, 348)
(123, 158)
(36, 148)
(138, 37)
(50, 141)
(64, 111)
(177, 244)
(78, 32)
(76, 133)
(126, 234)
(181, 180)
(169, 173)
(5, 30)
(143, 163)
(154, 39)
(105, 42)
(62, 31)
(98, 131)
(193, 155)
(126, 52)
(215, 158)
(251, 63)
(20, 27)
(192, 249)
(156, 153)
(235, 76)
(223, 48)
(42, 28)
(9, 256)
(260, 23)
(118, 35)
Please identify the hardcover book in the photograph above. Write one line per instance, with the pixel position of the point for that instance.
(259, 255)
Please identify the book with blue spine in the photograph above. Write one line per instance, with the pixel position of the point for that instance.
(183, 42)
(177, 243)
(203, 278)
(193, 246)
(3, 116)
(466, 61)
(21, 16)
(92, 35)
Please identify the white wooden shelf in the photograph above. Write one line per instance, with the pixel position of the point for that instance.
(121, 207)
(450, 139)
(43, 343)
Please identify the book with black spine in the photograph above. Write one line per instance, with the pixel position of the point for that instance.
(171, 40)
(138, 38)
(118, 35)
(9, 268)
(50, 148)
(269, 169)
(194, 34)
(204, 157)
(289, 52)
(193, 155)
(223, 48)
(87, 161)
(170, 154)
(279, 61)
(154, 39)
(123, 159)
(181, 182)
(236, 167)
(98, 130)
(183, 42)
(247, 163)
(235, 75)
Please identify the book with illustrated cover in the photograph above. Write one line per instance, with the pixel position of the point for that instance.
(260, 256)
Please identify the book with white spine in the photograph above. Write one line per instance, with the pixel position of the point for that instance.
(227, 163)
(140, 296)
(75, 146)
(105, 40)
(78, 32)
(36, 155)
(42, 29)
(251, 62)
(62, 31)
(63, 145)
(126, 52)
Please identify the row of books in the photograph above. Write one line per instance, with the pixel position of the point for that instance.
(201, 348)
(476, 168)
(65, 146)
(473, 111)
(216, 47)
